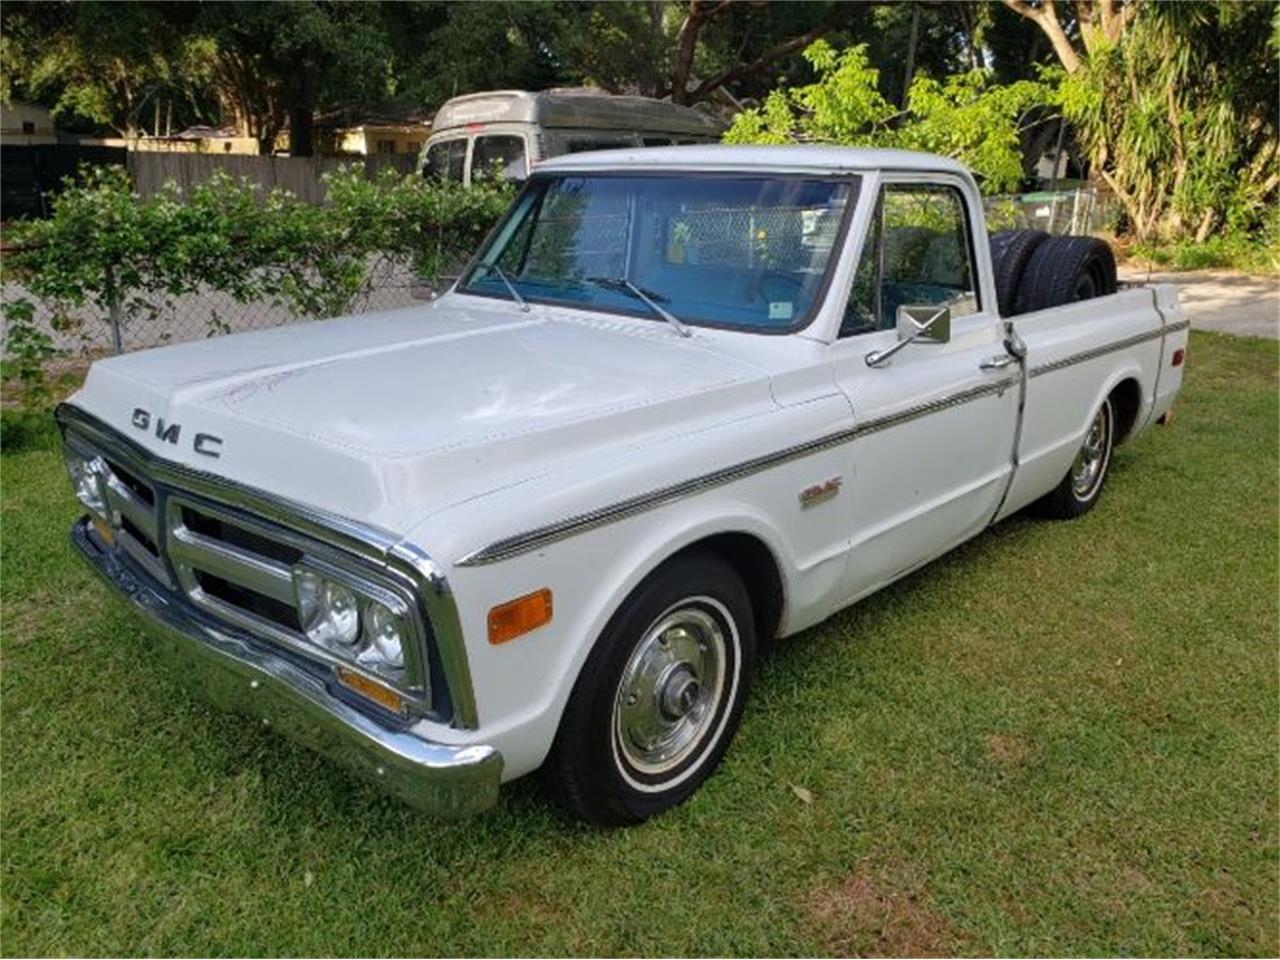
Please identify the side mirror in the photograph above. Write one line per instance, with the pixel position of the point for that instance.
(926, 324)
(923, 324)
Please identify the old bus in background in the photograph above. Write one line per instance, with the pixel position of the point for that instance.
(511, 130)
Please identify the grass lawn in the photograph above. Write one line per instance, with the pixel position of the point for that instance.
(1060, 739)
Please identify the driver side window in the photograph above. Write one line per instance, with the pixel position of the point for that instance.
(919, 252)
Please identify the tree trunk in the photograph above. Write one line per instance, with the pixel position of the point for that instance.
(1045, 16)
(302, 107)
(686, 45)
(839, 13)
(1210, 218)
(301, 130)
(912, 39)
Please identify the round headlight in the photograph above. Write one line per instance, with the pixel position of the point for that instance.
(86, 478)
(329, 611)
(382, 627)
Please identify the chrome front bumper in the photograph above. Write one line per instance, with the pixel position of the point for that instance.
(244, 676)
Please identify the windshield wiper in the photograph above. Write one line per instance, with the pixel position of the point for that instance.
(502, 275)
(625, 285)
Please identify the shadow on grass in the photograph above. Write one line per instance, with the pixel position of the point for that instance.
(22, 430)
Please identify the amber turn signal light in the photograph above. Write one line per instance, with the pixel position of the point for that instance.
(517, 617)
(373, 691)
(104, 531)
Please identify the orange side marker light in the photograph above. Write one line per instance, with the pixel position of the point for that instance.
(517, 617)
(368, 688)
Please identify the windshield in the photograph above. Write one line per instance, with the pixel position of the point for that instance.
(748, 252)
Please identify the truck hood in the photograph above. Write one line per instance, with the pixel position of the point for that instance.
(390, 417)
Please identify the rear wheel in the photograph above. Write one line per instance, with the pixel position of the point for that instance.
(660, 697)
(1080, 488)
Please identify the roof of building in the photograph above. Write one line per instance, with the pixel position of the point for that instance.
(198, 132)
(379, 115)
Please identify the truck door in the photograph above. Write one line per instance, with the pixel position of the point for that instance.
(934, 423)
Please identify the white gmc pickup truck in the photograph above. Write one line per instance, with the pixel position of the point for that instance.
(684, 401)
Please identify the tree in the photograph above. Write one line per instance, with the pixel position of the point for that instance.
(1098, 24)
(965, 116)
(108, 63)
(696, 19)
(443, 49)
(263, 67)
(1175, 105)
(688, 50)
(273, 64)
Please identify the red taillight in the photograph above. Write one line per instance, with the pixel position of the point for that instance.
(1178, 356)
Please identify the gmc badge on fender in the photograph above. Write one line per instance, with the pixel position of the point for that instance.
(204, 443)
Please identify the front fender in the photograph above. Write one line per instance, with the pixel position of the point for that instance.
(522, 686)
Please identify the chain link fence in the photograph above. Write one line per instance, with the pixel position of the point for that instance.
(1083, 210)
(142, 321)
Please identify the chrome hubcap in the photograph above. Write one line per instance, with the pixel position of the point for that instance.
(1092, 458)
(670, 690)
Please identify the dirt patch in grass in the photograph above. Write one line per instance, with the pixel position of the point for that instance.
(1225, 900)
(1007, 751)
(869, 914)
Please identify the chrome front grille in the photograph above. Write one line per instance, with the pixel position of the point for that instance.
(201, 539)
(132, 503)
(210, 549)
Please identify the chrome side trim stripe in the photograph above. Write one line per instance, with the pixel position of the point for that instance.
(1087, 355)
(541, 536)
(529, 540)
(933, 406)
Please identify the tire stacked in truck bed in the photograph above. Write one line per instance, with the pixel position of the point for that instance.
(1034, 271)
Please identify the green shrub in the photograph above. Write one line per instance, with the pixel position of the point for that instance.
(107, 249)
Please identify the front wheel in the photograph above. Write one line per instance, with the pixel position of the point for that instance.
(660, 697)
(1081, 487)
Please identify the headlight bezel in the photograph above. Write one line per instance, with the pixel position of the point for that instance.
(413, 676)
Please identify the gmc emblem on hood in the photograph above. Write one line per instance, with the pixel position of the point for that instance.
(204, 443)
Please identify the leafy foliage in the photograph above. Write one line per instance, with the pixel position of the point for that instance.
(966, 116)
(27, 349)
(1179, 117)
(263, 68)
(1174, 104)
(123, 256)
(271, 65)
(105, 63)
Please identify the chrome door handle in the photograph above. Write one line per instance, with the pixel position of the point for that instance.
(998, 362)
